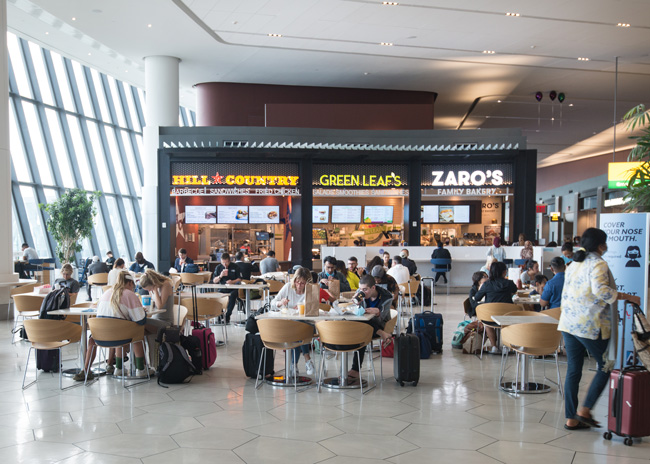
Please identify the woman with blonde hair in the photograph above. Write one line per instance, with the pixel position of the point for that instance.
(161, 290)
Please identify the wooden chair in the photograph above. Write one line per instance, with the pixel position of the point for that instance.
(176, 282)
(208, 308)
(100, 279)
(523, 313)
(275, 286)
(279, 334)
(485, 311)
(531, 339)
(179, 313)
(50, 334)
(347, 295)
(27, 288)
(27, 307)
(110, 332)
(351, 333)
(190, 278)
(555, 313)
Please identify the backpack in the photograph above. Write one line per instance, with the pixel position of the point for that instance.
(192, 345)
(456, 340)
(174, 365)
(425, 344)
(55, 300)
(191, 268)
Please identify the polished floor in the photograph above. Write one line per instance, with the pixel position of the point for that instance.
(454, 415)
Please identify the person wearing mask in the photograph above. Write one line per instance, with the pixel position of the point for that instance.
(118, 267)
(182, 260)
(399, 272)
(330, 273)
(589, 323)
(382, 279)
(354, 273)
(441, 253)
(269, 264)
(97, 267)
(245, 268)
(528, 276)
(552, 294)
(387, 261)
(567, 252)
(408, 262)
(527, 251)
(110, 260)
(141, 265)
(227, 273)
(496, 251)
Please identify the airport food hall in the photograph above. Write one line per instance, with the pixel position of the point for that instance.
(293, 203)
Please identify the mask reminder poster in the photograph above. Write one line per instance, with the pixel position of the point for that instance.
(627, 257)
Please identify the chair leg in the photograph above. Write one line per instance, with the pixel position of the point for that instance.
(374, 375)
(504, 361)
(356, 353)
(146, 366)
(482, 342)
(319, 382)
(13, 331)
(381, 360)
(559, 378)
(516, 374)
(25, 373)
(262, 360)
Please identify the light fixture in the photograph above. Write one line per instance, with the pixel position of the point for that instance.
(498, 101)
(47, 33)
(386, 44)
(89, 54)
(275, 35)
(390, 3)
(570, 104)
(489, 52)
(513, 14)
(623, 25)
(581, 58)
(149, 25)
(74, 19)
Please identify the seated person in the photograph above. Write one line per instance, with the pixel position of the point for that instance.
(354, 272)
(269, 264)
(488, 263)
(290, 296)
(387, 262)
(118, 267)
(528, 276)
(441, 253)
(478, 278)
(540, 283)
(409, 263)
(96, 267)
(67, 281)
(567, 252)
(377, 302)
(22, 267)
(120, 302)
(245, 268)
(382, 279)
(330, 273)
(552, 292)
(161, 290)
(399, 272)
(527, 251)
(140, 265)
(110, 259)
(227, 273)
(182, 260)
(325, 296)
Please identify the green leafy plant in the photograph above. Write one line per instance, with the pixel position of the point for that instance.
(638, 187)
(71, 220)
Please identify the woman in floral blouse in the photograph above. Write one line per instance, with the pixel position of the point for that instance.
(589, 313)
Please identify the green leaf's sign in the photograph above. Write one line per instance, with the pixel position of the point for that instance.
(619, 174)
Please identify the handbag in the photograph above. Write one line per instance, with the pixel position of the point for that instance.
(388, 348)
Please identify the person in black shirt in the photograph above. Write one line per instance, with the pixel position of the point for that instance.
(497, 289)
(441, 253)
(227, 273)
(384, 280)
(246, 269)
(97, 267)
(110, 260)
(478, 278)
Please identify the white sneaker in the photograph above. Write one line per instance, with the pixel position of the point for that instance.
(495, 350)
(117, 372)
(310, 367)
(143, 372)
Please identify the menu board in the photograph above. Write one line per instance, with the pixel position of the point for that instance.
(430, 214)
(320, 214)
(378, 215)
(200, 214)
(264, 214)
(232, 214)
(346, 214)
(461, 214)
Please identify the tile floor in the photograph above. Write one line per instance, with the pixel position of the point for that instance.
(454, 415)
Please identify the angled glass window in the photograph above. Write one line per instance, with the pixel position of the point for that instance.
(82, 87)
(132, 164)
(50, 195)
(63, 81)
(16, 233)
(18, 64)
(36, 225)
(100, 231)
(100, 160)
(117, 226)
(117, 102)
(59, 148)
(80, 158)
(133, 113)
(133, 224)
(42, 76)
(36, 138)
(18, 159)
(101, 96)
(117, 161)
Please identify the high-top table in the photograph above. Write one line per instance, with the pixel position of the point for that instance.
(246, 287)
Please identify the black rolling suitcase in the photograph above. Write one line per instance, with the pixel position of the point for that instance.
(251, 354)
(406, 359)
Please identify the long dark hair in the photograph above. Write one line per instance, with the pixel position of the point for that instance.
(476, 278)
(497, 269)
(592, 238)
(374, 262)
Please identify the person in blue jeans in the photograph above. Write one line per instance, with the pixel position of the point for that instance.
(588, 323)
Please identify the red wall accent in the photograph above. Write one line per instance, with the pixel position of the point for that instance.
(567, 173)
(233, 104)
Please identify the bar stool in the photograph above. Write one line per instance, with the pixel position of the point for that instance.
(440, 265)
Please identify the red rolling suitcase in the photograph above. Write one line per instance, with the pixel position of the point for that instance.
(629, 400)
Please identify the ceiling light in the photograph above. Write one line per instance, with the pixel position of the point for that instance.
(89, 54)
(513, 14)
(74, 19)
(275, 35)
(498, 101)
(149, 25)
(581, 58)
(387, 44)
(570, 104)
(47, 33)
(489, 52)
(623, 25)
(390, 3)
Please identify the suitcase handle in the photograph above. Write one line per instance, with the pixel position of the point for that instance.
(614, 406)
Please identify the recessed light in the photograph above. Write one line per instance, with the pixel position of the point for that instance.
(149, 25)
(623, 25)
(582, 58)
(570, 104)
(74, 19)
(489, 52)
(498, 101)
(386, 44)
(513, 14)
(390, 3)
(275, 35)
(89, 54)
(47, 33)
(366, 73)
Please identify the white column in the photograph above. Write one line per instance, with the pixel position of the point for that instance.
(161, 109)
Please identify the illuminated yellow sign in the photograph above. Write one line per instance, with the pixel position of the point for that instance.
(555, 216)
(236, 180)
(619, 174)
(341, 180)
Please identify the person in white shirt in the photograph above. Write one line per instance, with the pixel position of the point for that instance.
(29, 253)
(118, 268)
(399, 272)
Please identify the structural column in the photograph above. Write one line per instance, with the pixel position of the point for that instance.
(161, 110)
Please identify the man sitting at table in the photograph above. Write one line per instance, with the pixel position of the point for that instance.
(377, 301)
(245, 268)
(385, 281)
(399, 272)
(269, 264)
(330, 273)
(22, 266)
(552, 294)
(141, 265)
(227, 273)
(182, 260)
(97, 267)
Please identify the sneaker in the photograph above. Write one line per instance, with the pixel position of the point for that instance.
(117, 373)
(143, 372)
(110, 369)
(495, 350)
(81, 376)
(310, 367)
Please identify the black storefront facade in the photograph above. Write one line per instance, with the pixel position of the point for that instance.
(291, 170)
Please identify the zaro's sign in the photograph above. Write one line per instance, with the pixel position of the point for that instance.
(467, 178)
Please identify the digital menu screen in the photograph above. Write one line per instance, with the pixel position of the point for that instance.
(232, 214)
(430, 214)
(320, 214)
(378, 215)
(264, 215)
(201, 214)
(346, 214)
(461, 214)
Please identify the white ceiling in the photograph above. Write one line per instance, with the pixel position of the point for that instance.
(437, 46)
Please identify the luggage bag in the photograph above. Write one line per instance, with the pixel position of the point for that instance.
(629, 399)
(431, 324)
(251, 354)
(406, 361)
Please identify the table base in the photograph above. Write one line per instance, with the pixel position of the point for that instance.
(527, 388)
(71, 372)
(336, 384)
(283, 381)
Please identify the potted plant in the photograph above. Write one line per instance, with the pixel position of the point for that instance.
(638, 188)
(71, 220)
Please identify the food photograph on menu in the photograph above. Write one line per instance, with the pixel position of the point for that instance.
(320, 214)
(200, 214)
(264, 215)
(232, 214)
(447, 214)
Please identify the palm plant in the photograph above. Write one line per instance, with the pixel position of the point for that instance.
(638, 187)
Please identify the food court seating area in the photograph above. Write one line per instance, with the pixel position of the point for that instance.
(456, 414)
